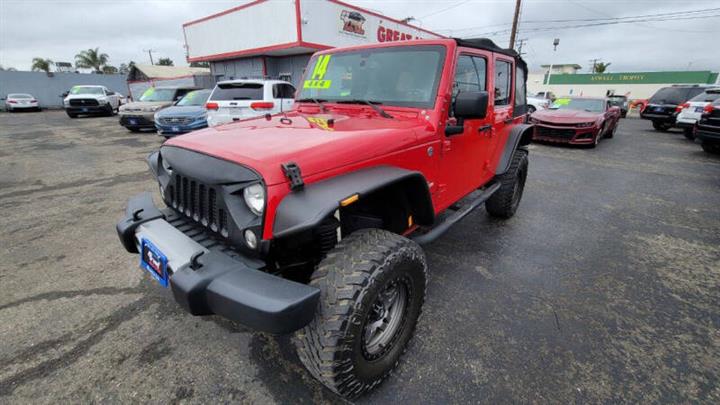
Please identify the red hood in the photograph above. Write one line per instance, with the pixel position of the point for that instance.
(265, 144)
(566, 116)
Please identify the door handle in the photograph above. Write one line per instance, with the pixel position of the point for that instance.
(509, 121)
(484, 128)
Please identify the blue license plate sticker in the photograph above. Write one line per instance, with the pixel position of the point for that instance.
(84, 109)
(658, 109)
(699, 109)
(133, 122)
(154, 261)
(176, 129)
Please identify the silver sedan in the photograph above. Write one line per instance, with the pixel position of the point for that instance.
(20, 101)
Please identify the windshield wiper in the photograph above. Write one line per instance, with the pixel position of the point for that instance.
(372, 104)
(317, 101)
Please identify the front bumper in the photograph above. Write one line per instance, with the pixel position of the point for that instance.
(91, 109)
(565, 134)
(137, 121)
(217, 283)
(170, 130)
(685, 123)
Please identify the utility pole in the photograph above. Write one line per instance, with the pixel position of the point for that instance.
(519, 45)
(149, 51)
(515, 24)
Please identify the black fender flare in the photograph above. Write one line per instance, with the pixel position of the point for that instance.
(305, 208)
(520, 136)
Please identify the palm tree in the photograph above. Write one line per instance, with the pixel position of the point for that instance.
(41, 65)
(91, 59)
(601, 67)
(165, 62)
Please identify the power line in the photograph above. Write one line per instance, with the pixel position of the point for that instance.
(444, 9)
(608, 20)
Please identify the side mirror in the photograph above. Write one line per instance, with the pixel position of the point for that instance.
(65, 94)
(471, 104)
(468, 105)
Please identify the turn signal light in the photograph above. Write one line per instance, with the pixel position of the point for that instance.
(211, 106)
(262, 105)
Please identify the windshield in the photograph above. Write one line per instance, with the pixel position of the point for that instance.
(402, 76)
(707, 97)
(153, 94)
(238, 91)
(194, 98)
(86, 90)
(19, 96)
(583, 104)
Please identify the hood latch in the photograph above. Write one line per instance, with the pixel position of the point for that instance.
(292, 172)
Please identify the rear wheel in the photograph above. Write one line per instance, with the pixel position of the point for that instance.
(506, 200)
(611, 133)
(372, 287)
(689, 133)
(661, 126)
(713, 148)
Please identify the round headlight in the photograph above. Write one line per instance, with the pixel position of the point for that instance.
(250, 239)
(255, 198)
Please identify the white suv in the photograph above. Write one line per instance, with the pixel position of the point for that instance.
(690, 112)
(234, 100)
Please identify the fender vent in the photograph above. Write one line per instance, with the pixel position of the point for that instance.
(292, 172)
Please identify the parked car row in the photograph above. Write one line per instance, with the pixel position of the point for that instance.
(707, 129)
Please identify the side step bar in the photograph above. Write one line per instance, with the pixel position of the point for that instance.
(461, 213)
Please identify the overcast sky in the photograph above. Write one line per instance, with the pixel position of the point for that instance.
(58, 29)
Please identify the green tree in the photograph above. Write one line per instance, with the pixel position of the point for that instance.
(91, 59)
(200, 64)
(41, 65)
(601, 67)
(109, 70)
(165, 62)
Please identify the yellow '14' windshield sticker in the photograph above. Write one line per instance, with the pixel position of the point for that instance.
(562, 101)
(149, 92)
(317, 81)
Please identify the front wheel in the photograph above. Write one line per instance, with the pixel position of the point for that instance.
(71, 115)
(506, 199)
(372, 287)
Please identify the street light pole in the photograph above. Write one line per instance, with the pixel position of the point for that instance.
(556, 42)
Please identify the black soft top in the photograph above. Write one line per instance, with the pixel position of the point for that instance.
(489, 45)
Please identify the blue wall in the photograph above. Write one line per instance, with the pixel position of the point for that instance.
(47, 90)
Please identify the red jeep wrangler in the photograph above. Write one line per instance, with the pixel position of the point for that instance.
(311, 221)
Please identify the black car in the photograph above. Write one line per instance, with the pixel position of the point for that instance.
(662, 108)
(708, 128)
(619, 101)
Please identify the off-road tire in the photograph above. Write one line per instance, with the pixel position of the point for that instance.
(506, 199)
(689, 133)
(661, 126)
(713, 148)
(350, 278)
(71, 115)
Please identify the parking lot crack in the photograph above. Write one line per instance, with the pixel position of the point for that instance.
(56, 295)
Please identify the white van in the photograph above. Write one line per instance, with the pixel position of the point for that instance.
(234, 100)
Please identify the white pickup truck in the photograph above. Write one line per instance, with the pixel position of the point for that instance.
(81, 100)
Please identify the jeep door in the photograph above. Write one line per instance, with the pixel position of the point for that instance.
(465, 155)
(505, 113)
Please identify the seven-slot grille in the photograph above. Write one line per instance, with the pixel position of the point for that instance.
(83, 102)
(555, 132)
(175, 120)
(198, 202)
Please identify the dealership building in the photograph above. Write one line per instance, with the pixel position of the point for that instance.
(275, 38)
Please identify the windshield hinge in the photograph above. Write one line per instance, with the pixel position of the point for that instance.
(292, 172)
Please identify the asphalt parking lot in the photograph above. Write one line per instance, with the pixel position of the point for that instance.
(603, 288)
